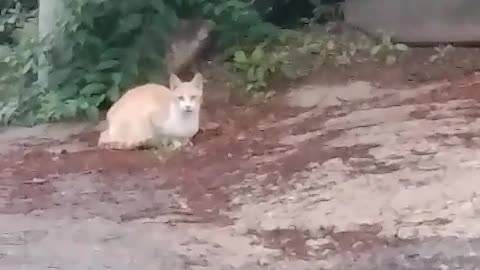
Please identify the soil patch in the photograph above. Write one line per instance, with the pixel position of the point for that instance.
(230, 148)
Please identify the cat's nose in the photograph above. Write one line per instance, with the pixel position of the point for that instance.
(188, 108)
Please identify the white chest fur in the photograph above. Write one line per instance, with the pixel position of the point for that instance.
(180, 124)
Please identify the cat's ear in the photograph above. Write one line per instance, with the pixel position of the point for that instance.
(197, 81)
(174, 81)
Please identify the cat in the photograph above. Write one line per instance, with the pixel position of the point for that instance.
(152, 115)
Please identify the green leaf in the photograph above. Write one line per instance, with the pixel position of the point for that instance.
(390, 60)
(113, 93)
(159, 5)
(107, 65)
(375, 50)
(92, 113)
(208, 7)
(220, 9)
(130, 23)
(58, 76)
(93, 88)
(251, 74)
(117, 78)
(240, 57)
(97, 100)
(401, 47)
(112, 53)
(28, 66)
(93, 77)
(260, 74)
(257, 55)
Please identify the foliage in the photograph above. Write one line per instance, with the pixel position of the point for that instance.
(98, 55)
(292, 55)
(440, 53)
(239, 25)
(385, 48)
(13, 15)
(106, 46)
(91, 64)
(256, 67)
(102, 55)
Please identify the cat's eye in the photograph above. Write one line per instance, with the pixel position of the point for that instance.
(181, 98)
(193, 97)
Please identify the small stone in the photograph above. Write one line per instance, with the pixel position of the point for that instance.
(263, 261)
(454, 140)
(358, 245)
(236, 200)
(466, 206)
(241, 137)
(241, 228)
(324, 264)
(406, 233)
(311, 253)
(443, 267)
(317, 243)
(36, 181)
(211, 126)
(425, 148)
(428, 165)
(326, 252)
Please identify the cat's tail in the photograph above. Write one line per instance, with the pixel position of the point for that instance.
(105, 142)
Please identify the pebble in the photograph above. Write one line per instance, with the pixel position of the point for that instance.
(241, 228)
(317, 243)
(428, 165)
(263, 261)
(241, 137)
(324, 264)
(36, 180)
(454, 140)
(406, 233)
(358, 245)
(424, 148)
(211, 126)
(443, 267)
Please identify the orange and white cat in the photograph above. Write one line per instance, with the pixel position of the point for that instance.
(152, 114)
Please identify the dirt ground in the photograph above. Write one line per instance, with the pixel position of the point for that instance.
(364, 167)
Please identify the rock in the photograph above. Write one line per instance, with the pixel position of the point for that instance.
(413, 21)
(189, 39)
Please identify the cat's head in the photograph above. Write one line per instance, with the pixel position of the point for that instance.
(189, 94)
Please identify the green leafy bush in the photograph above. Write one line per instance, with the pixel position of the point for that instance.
(107, 46)
(103, 55)
(257, 67)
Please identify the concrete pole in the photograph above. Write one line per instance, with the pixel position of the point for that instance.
(50, 13)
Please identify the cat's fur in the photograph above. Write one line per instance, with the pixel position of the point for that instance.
(152, 114)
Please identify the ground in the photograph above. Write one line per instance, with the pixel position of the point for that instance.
(365, 167)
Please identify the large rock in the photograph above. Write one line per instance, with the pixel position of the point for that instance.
(189, 39)
(418, 21)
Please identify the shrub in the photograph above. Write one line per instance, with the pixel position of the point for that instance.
(108, 46)
(101, 55)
